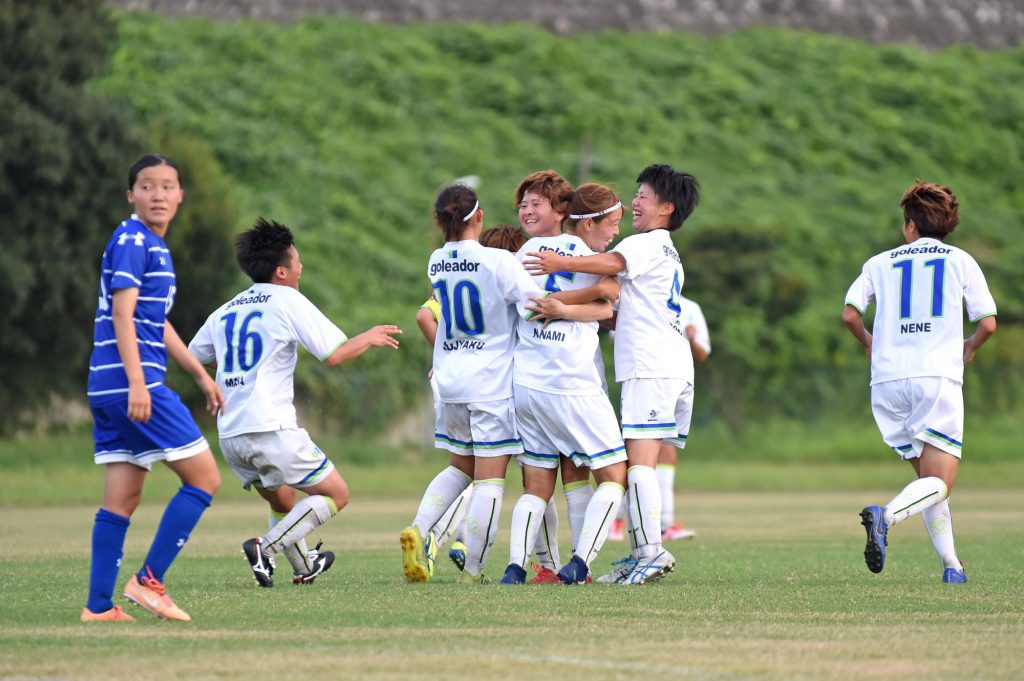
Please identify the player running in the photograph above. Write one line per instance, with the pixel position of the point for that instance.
(254, 339)
(918, 353)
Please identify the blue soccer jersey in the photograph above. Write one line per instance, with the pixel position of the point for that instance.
(134, 257)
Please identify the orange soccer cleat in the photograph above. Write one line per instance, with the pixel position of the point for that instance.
(115, 614)
(150, 594)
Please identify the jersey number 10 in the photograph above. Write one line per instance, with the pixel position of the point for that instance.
(464, 302)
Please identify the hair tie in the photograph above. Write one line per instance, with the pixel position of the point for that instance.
(618, 204)
(472, 212)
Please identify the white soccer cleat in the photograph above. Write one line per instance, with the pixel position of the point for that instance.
(650, 570)
(620, 570)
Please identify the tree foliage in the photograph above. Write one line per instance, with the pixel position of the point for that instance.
(803, 143)
(62, 158)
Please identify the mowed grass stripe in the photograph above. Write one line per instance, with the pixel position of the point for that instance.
(773, 587)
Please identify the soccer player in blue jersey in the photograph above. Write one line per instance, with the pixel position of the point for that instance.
(137, 419)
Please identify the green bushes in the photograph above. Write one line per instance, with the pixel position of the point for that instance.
(803, 143)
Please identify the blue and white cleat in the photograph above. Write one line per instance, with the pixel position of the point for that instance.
(620, 570)
(457, 554)
(574, 572)
(873, 520)
(954, 576)
(514, 574)
(650, 570)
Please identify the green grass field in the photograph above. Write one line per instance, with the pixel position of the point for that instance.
(773, 587)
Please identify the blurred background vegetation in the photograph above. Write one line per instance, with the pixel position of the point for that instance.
(345, 130)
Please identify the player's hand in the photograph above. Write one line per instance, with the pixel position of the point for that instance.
(140, 404)
(383, 336)
(969, 351)
(215, 400)
(547, 310)
(545, 262)
(691, 332)
(609, 288)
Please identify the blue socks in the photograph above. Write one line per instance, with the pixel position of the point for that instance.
(108, 533)
(180, 517)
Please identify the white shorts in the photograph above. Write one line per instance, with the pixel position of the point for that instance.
(483, 429)
(581, 427)
(657, 409)
(913, 412)
(276, 457)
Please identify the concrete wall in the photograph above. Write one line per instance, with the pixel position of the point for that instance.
(930, 23)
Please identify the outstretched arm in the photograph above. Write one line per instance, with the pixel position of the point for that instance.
(381, 336)
(986, 327)
(855, 323)
(549, 262)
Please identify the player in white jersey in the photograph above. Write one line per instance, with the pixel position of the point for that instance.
(652, 354)
(918, 352)
(696, 328)
(543, 203)
(254, 339)
(452, 524)
(562, 409)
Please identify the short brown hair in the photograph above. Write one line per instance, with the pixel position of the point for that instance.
(505, 237)
(549, 184)
(933, 208)
(589, 198)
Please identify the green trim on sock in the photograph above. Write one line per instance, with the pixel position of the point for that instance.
(575, 485)
(612, 482)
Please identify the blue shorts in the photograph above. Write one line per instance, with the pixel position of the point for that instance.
(171, 433)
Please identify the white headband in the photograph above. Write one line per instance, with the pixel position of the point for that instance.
(472, 212)
(618, 204)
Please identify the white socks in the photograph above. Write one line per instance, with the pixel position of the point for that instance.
(452, 518)
(939, 523)
(601, 511)
(526, 522)
(577, 498)
(482, 522)
(666, 473)
(441, 492)
(546, 545)
(298, 552)
(915, 497)
(644, 509)
(306, 516)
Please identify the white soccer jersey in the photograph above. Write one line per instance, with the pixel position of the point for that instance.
(693, 316)
(649, 338)
(482, 292)
(563, 358)
(254, 338)
(920, 289)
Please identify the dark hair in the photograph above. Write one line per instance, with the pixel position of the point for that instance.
(933, 208)
(260, 250)
(589, 198)
(549, 184)
(506, 237)
(671, 186)
(148, 161)
(451, 209)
